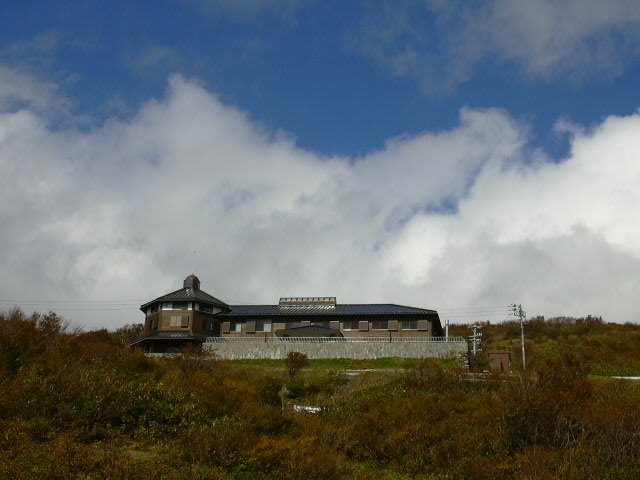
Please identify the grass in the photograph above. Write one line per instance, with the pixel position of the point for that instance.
(339, 364)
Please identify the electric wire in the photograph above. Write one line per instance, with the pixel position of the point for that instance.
(453, 313)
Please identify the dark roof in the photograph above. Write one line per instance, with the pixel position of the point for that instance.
(186, 294)
(346, 309)
(172, 336)
(310, 330)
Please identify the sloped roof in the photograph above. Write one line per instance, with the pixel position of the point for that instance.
(345, 309)
(172, 336)
(188, 294)
(309, 331)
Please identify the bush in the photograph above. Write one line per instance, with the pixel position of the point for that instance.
(82, 405)
(271, 421)
(295, 362)
(428, 376)
(222, 443)
(544, 407)
(317, 384)
(270, 391)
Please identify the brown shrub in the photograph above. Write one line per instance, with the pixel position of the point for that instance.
(543, 408)
(295, 362)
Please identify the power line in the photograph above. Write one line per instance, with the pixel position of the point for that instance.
(73, 309)
(482, 307)
(80, 302)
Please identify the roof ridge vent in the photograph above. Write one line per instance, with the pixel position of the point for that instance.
(307, 302)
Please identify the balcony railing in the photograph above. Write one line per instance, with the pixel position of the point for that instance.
(271, 339)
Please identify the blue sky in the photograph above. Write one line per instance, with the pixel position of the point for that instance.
(453, 155)
(311, 69)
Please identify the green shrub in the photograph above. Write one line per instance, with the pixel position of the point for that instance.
(270, 391)
(295, 362)
(271, 421)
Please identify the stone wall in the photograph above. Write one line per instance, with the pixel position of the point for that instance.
(356, 350)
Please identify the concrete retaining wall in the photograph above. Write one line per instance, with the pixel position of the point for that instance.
(356, 350)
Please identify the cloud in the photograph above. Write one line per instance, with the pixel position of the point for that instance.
(19, 88)
(454, 218)
(440, 43)
(38, 49)
(153, 58)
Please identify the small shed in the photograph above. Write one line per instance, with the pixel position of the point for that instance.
(499, 362)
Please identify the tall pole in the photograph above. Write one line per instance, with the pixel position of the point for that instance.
(446, 327)
(476, 337)
(475, 340)
(524, 357)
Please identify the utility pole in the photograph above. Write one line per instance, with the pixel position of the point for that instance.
(517, 310)
(477, 336)
(475, 340)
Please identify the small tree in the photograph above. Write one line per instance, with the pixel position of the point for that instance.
(295, 362)
(129, 333)
(52, 325)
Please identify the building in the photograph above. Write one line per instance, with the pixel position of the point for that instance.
(188, 316)
(499, 362)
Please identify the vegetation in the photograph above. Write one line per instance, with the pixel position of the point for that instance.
(82, 405)
(348, 363)
(609, 348)
(296, 361)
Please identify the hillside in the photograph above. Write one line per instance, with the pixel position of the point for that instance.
(607, 348)
(82, 405)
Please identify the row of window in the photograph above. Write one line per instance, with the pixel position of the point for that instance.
(381, 325)
(261, 326)
(265, 325)
(175, 321)
(182, 321)
(180, 306)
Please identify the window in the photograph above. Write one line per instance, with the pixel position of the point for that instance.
(180, 305)
(205, 308)
(235, 327)
(263, 325)
(207, 324)
(293, 324)
(181, 321)
(320, 323)
(154, 324)
(380, 325)
(351, 325)
(152, 309)
(410, 325)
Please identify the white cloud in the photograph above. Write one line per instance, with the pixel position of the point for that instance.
(19, 88)
(439, 43)
(38, 49)
(444, 219)
(153, 58)
(547, 37)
